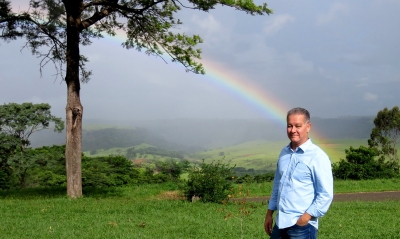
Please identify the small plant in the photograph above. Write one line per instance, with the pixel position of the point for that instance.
(244, 209)
(209, 182)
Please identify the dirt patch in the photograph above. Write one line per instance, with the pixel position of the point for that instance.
(347, 197)
(340, 197)
(170, 195)
(371, 196)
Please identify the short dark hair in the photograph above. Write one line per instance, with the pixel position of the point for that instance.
(299, 111)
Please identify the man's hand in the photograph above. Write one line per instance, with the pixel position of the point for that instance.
(268, 222)
(304, 219)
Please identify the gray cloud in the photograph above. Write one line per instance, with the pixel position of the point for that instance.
(335, 58)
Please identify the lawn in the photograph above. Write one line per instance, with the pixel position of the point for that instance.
(153, 211)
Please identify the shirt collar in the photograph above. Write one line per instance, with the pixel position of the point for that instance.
(302, 147)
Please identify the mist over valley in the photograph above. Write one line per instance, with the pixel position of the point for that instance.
(190, 136)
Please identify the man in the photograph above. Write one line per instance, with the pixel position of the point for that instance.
(303, 183)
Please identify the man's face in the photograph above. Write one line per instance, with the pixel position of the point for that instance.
(297, 130)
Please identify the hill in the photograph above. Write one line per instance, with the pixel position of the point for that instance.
(194, 135)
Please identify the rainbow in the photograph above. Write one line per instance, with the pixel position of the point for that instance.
(246, 90)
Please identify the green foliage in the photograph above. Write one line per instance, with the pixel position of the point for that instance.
(360, 164)
(43, 166)
(161, 152)
(209, 182)
(258, 178)
(113, 137)
(22, 163)
(385, 135)
(107, 171)
(51, 179)
(17, 123)
(147, 25)
(266, 177)
(21, 120)
(8, 146)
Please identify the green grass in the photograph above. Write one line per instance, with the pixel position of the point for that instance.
(116, 151)
(361, 220)
(340, 186)
(140, 212)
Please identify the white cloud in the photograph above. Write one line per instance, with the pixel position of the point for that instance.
(277, 23)
(335, 12)
(370, 97)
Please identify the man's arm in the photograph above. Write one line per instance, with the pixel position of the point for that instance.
(323, 184)
(272, 203)
(269, 222)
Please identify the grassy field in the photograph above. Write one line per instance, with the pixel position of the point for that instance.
(259, 155)
(264, 154)
(116, 151)
(152, 211)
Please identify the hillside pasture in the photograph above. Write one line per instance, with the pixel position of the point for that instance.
(262, 155)
(258, 155)
(116, 151)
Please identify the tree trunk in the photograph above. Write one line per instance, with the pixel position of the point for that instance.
(74, 109)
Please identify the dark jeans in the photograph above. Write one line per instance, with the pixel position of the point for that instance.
(295, 232)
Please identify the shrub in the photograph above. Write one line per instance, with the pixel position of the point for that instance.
(107, 171)
(361, 164)
(50, 179)
(210, 182)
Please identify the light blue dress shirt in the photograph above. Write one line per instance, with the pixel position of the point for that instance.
(303, 183)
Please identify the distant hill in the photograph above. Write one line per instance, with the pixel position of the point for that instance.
(193, 135)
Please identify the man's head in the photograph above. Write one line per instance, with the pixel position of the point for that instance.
(298, 126)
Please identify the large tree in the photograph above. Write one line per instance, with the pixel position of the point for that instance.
(17, 123)
(55, 29)
(385, 135)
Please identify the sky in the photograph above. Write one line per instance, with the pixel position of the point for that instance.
(334, 58)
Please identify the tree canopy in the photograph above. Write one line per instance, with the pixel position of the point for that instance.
(17, 123)
(385, 134)
(54, 30)
(21, 120)
(362, 163)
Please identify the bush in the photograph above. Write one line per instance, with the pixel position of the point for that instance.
(245, 179)
(266, 177)
(50, 179)
(107, 171)
(361, 164)
(210, 182)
